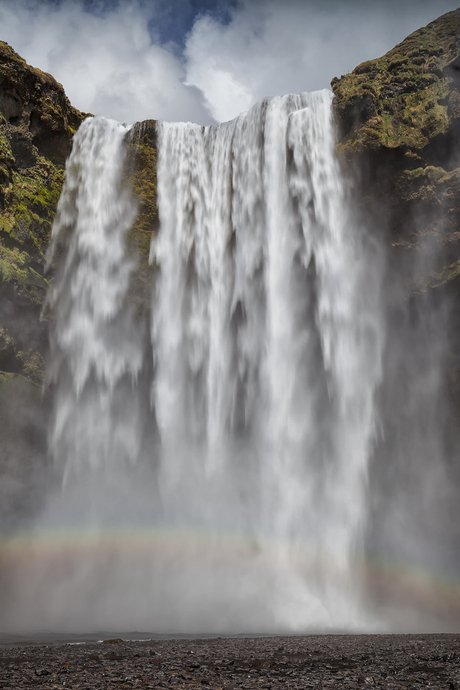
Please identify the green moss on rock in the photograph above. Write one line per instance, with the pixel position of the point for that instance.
(141, 176)
(401, 100)
(399, 118)
(37, 124)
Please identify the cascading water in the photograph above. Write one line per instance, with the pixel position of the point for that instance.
(267, 340)
(230, 475)
(96, 346)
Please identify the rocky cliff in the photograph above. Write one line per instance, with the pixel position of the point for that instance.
(37, 123)
(399, 122)
(398, 119)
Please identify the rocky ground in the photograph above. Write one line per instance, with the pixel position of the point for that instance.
(328, 661)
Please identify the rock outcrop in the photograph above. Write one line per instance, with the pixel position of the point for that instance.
(399, 129)
(141, 175)
(37, 124)
(399, 133)
(399, 120)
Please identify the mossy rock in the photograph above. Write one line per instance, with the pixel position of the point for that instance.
(398, 120)
(401, 100)
(37, 124)
(35, 108)
(141, 176)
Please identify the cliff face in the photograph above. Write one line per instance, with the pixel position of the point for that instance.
(399, 121)
(141, 176)
(398, 118)
(37, 123)
(399, 134)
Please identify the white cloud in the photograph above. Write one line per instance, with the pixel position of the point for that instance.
(112, 62)
(107, 63)
(275, 47)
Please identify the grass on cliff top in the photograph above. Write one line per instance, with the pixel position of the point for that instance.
(401, 99)
(34, 84)
(8, 56)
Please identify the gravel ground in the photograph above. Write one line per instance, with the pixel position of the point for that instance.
(327, 661)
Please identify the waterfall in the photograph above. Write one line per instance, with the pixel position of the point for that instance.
(226, 453)
(267, 339)
(95, 344)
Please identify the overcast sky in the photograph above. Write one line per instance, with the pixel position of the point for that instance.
(202, 60)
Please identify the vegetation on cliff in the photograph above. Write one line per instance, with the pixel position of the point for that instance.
(406, 98)
(141, 175)
(399, 116)
(37, 123)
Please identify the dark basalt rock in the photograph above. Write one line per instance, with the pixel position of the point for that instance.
(37, 124)
(141, 177)
(414, 79)
(398, 120)
(399, 124)
(34, 101)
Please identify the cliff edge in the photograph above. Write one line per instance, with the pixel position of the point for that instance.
(398, 119)
(37, 123)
